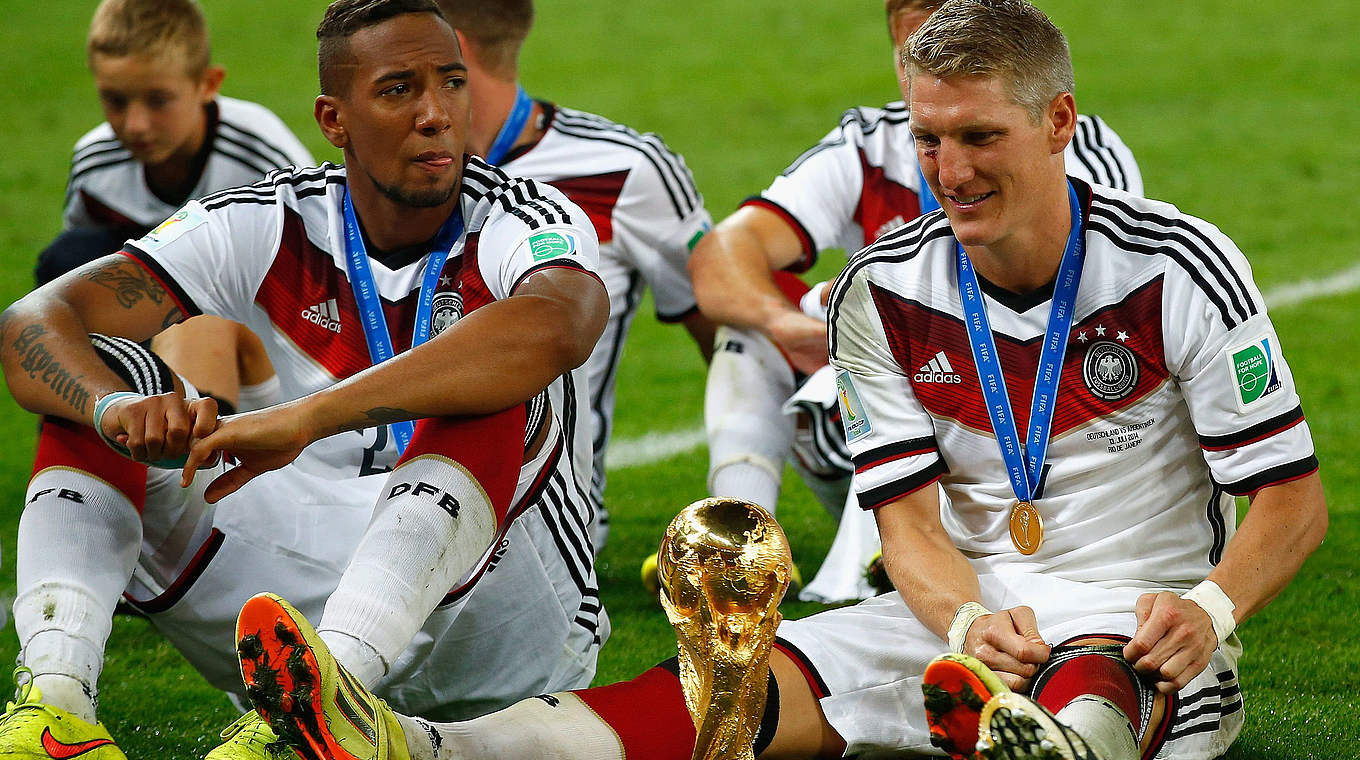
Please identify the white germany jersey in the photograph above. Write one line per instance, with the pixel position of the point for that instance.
(862, 180)
(272, 256)
(648, 215)
(1174, 394)
(107, 187)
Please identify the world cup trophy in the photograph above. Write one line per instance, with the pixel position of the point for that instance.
(724, 565)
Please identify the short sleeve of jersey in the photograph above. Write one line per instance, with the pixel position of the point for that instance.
(73, 214)
(1099, 156)
(817, 194)
(1223, 349)
(548, 231)
(212, 262)
(890, 435)
(660, 239)
(96, 141)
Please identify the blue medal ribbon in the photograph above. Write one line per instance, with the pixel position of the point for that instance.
(1024, 462)
(514, 124)
(926, 199)
(376, 333)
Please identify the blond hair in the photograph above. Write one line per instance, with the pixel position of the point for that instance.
(894, 7)
(1010, 39)
(162, 29)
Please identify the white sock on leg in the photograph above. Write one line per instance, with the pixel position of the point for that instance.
(1104, 726)
(551, 727)
(749, 480)
(78, 541)
(432, 524)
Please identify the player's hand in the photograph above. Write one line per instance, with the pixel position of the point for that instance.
(156, 428)
(259, 441)
(1009, 643)
(1173, 642)
(801, 338)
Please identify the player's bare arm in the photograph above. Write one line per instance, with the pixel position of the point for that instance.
(51, 368)
(1284, 524)
(935, 579)
(521, 343)
(731, 269)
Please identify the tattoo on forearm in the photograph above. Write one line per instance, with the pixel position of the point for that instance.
(38, 362)
(384, 415)
(129, 282)
(172, 318)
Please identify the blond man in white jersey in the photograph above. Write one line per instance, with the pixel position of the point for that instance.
(860, 182)
(1092, 616)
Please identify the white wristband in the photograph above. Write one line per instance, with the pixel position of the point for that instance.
(811, 302)
(1212, 600)
(964, 617)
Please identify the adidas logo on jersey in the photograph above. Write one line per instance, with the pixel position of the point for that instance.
(325, 314)
(938, 370)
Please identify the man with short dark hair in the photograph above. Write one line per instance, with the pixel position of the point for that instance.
(639, 194)
(415, 283)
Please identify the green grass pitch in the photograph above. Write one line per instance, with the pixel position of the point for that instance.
(1243, 113)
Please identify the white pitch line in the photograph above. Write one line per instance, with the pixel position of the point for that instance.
(655, 447)
(1296, 293)
(652, 448)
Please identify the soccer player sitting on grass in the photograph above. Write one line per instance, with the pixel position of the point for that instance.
(462, 535)
(859, 183)
(1088, 580)
(639, 194)
(169, 136)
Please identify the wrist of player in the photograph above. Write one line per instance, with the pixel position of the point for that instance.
(967, 613)
(1215, 602)
(106, 406)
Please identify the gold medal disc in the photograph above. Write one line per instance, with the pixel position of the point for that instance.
(1027, 528)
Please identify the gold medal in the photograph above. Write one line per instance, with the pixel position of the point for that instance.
(1027, 528)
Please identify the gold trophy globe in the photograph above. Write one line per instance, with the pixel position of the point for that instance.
(724, 565)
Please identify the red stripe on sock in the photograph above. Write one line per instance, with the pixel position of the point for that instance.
(490, 447)
(62, 443)
(648, 713)
(1092, 674)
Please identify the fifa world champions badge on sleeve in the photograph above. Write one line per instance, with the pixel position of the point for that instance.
(1253, 372)
(856, 422)
(724, 565)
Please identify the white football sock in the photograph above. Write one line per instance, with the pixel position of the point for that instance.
(432, 524)
(551, 727)
(77, 544)
(748, 480)
(749, 435)
(259, 395)
(1104, 726)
